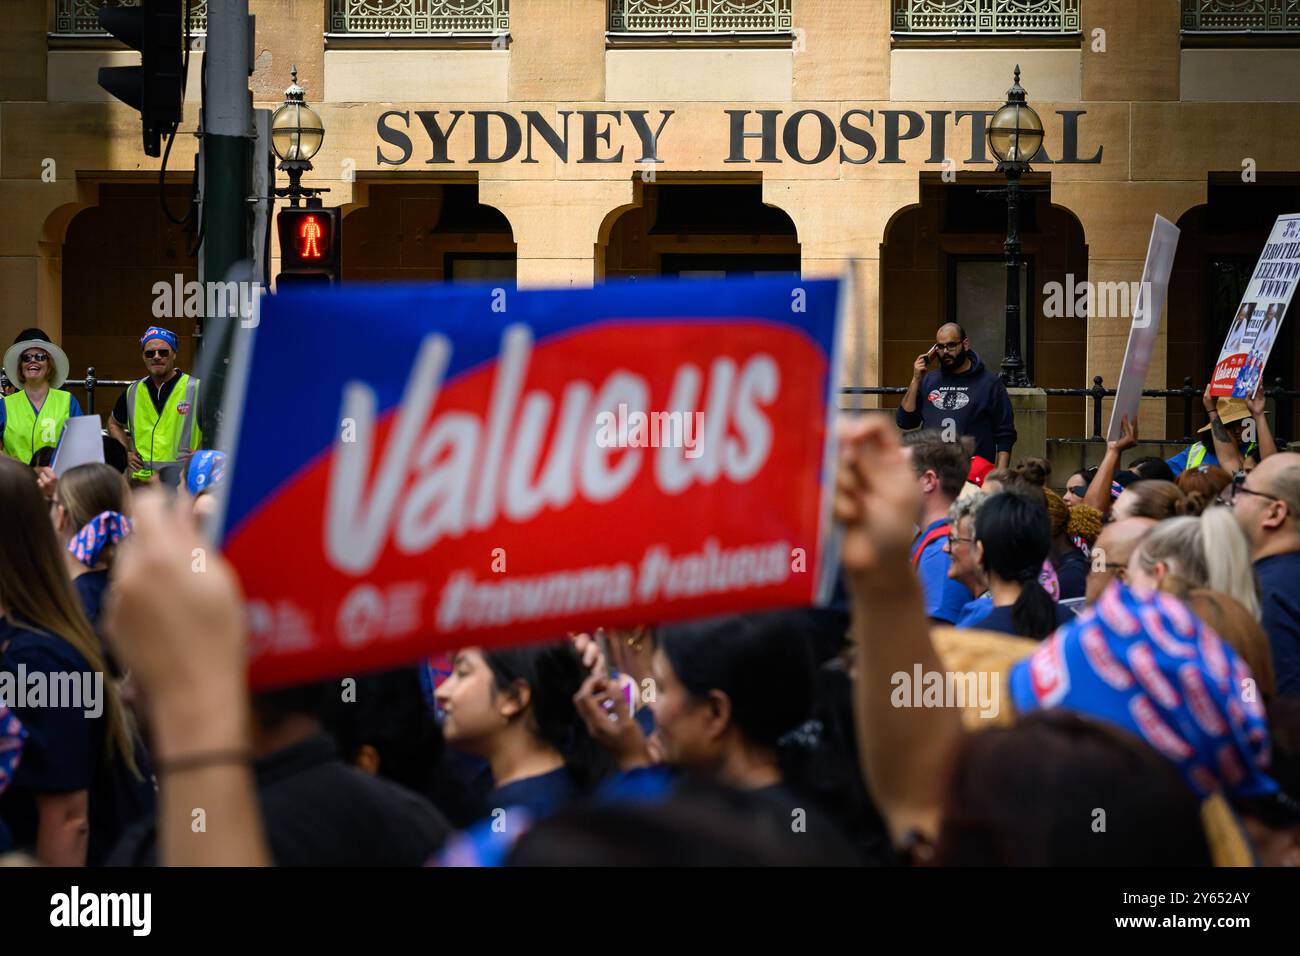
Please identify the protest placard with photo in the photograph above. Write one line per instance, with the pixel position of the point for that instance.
(467, 465)
(1240, 367)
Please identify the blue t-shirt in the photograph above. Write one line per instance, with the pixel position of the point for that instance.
(1178, 464)
(944, 596)
(1280, 606)
(74, 411)
(975, 610)
(541, 795)
(91, 588)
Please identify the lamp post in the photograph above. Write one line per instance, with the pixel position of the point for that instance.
(296, 136)
(1015, 135)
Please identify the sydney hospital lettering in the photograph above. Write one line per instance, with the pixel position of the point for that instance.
(756, 136)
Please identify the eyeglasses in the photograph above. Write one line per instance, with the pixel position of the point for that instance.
(953, 539)
(948, 346)
(34, 357)
(1238, 487)
(1078, 490)
(161, 353)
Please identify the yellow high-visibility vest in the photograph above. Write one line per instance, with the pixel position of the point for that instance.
(159, 437)
(27, 430)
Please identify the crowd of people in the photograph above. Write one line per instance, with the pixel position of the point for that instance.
(1013, 672)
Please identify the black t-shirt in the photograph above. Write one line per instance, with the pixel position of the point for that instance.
(158, 397)
(319, 811)
(66, 749)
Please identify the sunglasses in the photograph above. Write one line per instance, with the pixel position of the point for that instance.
(34, 357)
(161, 353)
(1078, 490)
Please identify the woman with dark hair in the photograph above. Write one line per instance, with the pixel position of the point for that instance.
(514, 709)
(727, 690)
(1012, 539)
(79, 785)
(732, 700)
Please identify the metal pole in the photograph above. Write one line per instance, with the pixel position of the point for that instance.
(227, 112)
(1013, 366)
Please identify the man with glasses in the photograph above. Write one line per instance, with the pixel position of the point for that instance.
(1266, 503)
(156, 418)
(940, 469)
(962, 394)
(1115, 545)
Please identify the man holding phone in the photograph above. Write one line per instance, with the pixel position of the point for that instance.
(961, 394)
(156, 418)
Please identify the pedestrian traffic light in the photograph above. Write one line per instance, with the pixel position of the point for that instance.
(154, 28)
(309, 245)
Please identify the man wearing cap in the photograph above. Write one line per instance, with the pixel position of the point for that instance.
(1227, 419)
(156, 418)
(33, 417)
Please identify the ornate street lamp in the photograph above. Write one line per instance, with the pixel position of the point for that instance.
(296, 136)
(1015, 135)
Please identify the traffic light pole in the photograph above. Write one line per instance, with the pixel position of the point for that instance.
(227, 128)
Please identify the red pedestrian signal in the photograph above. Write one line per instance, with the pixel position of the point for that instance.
(309, 245)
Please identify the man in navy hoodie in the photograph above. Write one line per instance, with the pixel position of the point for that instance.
(961, 391)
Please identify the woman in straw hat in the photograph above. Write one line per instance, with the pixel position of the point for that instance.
(33, 417)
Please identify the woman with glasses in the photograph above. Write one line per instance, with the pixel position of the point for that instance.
(33, 417)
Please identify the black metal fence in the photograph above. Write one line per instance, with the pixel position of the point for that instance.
(1190, 396)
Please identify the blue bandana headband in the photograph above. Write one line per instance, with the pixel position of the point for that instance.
(12, 735)
(158, 332)
(107, 527)
(1144, 662)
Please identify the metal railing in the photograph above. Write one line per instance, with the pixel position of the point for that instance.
(694, 17)
(419, 17)
(1241, 16)
(81, 17)
(1189, 394)
(984, 17)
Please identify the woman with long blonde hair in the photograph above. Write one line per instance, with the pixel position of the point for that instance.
(79, 784)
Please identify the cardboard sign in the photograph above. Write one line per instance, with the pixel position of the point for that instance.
(417, 469)
(1240, 368)
(81, 443)
(1148, 311)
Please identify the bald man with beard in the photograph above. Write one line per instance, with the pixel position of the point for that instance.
(1115, 545)
(960, 397)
